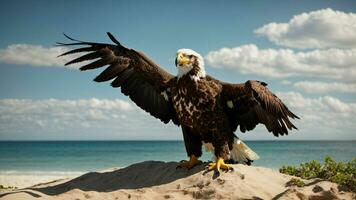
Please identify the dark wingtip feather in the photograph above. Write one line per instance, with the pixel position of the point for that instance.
(60, 44)
(61, 54)
(112, 38)
(263, 83)
(68, 63)
(98, 79)
(84, 49)
(70, 38)
(65, 35)
(294, 116)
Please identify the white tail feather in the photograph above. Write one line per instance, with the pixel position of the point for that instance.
(242, 153)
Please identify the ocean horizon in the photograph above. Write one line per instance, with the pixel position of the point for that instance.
(25, 163)
(74, 156)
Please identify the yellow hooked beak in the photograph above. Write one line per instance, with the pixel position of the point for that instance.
(182, 59)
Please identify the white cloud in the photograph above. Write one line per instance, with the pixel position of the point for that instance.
(60, 112)
(324, 117)
(317, 29)
(95, 117)
(324, 87)
(338, 64)
(321, 117)
(333, 33)
(325, 104)
(35, 55)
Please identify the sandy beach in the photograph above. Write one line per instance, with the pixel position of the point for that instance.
(161, 180)
(29, 178)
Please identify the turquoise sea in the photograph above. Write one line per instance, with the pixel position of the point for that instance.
(56, 157)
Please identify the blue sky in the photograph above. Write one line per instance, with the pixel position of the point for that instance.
(33, 83)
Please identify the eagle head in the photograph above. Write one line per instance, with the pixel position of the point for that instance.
(188, 60)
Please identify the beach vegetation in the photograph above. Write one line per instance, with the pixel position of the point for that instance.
(296, 182)
(342, 173)
(7, 187)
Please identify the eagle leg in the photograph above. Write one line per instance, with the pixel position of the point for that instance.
(193, 161)
(219, 164)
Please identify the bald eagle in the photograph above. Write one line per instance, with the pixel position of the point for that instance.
(209, 111)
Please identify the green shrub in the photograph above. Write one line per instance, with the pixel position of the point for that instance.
(295, 181)
(7, 187)
(341, 173)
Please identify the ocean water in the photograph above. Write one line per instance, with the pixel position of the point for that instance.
(76, 157)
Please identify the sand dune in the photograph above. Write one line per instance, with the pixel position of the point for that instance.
(161, 180)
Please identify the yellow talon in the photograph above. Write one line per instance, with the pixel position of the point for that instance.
(193, 161)
(219, 164)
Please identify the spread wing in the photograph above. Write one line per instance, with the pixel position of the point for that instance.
(139, 77)
(251, 103)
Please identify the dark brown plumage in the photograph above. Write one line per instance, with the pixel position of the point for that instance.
(138, 77)
(207, 109)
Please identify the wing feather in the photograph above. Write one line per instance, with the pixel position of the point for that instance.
(255, 104)
(79, 50)
(138, 76)
(111, 72)
(121, 78)
(97, 64)
(89, 56)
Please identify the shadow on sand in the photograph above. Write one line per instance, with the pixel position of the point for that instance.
(140, 175)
